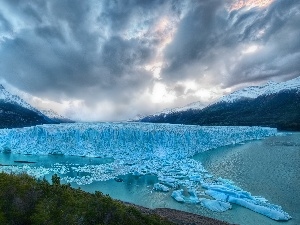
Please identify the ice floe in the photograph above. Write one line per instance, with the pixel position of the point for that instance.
(160, 187)
(215, 205)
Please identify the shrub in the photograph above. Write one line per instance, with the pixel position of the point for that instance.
(26, 200)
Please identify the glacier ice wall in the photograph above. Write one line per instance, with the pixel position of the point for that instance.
(120, 139)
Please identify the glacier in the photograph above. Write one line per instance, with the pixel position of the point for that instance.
(164, 150)
(121, 139)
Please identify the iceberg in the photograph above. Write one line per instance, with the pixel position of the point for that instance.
(178, 195)
(215, 205)
(229, 193)
(196, 178)
(160, 187)
(193, 199)
(272, 211)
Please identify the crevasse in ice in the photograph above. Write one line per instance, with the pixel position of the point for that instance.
(141, 148)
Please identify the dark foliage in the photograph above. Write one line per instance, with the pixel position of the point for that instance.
(25, 200)
(281, 110)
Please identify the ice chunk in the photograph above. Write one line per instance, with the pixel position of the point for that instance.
(196, 178)
(229, 190)
(215, 205)
(217, 195)
(193, 197)
(160, 187)
(208, 176)
(272, 211)
(225, 181)
(233, 194)
(169, 181)
(178, 195)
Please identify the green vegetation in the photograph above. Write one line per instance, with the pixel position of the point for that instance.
(26, 200)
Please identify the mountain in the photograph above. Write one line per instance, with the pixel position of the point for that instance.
(56, 117)
(15, 112)
(273, 104)
(191, 106)
(7, 97)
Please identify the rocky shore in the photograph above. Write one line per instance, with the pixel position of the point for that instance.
(180, 217)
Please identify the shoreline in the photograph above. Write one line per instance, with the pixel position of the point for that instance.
(179, 217)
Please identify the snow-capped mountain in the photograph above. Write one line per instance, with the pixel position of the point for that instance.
(191, 106)
(55, 116)
(194, 106)
(51, 114)
(269, 88)
(7, 97)
(273, 104)
(15, 112)
(136, 118)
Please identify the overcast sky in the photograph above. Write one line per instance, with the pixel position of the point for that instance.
(97, 60)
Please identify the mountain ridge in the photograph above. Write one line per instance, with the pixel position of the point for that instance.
(15, 112)
(273, 104)
(15, 99)
(269, 88)
(56, 117)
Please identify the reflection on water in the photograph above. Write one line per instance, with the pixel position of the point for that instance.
(268, 167)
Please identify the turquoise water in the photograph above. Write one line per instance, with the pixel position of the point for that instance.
(269, 168)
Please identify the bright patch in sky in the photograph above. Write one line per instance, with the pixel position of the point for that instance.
(250, 49)
(203, 94)
(155, 69)
(189, 85)
(250, 3)
(160, 94)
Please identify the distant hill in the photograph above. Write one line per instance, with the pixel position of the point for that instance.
(56, 117)
(13, 115)
(273, 104)
(15, 112)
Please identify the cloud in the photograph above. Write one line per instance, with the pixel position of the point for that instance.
(82, 51)
(61, 52)
(210, 41)
(121, 15)
(279, 46)
(103, 60)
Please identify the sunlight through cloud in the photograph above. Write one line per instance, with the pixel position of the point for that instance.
(250, 3)
(250, 49)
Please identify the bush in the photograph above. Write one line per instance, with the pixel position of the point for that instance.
(26, 200)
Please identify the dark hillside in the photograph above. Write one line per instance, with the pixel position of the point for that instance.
(13, 115)
(280, 110)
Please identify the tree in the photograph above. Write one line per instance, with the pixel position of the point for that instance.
(55, 180)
